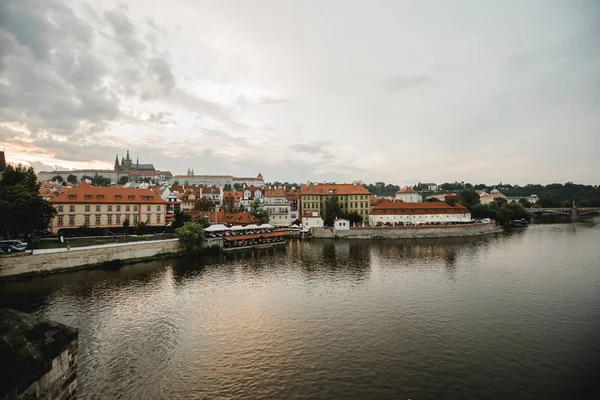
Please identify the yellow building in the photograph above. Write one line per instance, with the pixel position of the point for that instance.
(106, 207)
(352, 197)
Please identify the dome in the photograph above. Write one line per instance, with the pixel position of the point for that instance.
(495, 191)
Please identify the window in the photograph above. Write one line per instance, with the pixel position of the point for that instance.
(60, 208)
(109, 208)
(71, 208)
(88, 196)
(135, 218)
(71, 196)
(148, 218)
(87, 208)
(118, 208)
(109, 219)
(97, 220)
(87, 219)
(118, 219)
(148, 208)
(100, 196)
(97, 208)
(118, 197)
(157, 208)
(60, 220)
(71, 219)
(131, 197)
(127, 208)
(135, 208)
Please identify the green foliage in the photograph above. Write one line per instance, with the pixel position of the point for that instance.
(525, 203)
(175, 183)
(229, 205)
(227, 187)
(500, 211)
(204, 204)
(58, 178)
(468, 197)
(258, 211)
(86, 177)
(237, 186)
(333, 210)
(99, 180)
(139, 227)
(191, 236)
(180, 219)
(432, 200)
(126, 225)
(22, 209)
(72, 179)
(123, 179)
(354, 218)
(382, 189)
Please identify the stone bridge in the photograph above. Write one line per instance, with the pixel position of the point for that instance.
(574, 212)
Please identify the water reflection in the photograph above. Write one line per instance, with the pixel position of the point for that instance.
(439, 318)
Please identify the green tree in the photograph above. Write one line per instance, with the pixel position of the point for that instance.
(432, 200)
(191, 236)
(241, 208)
(237, 186)
(227, 187)
(333, 210)
(258, 211)
(180, 219)
(123, 179)
(468, 197)
(86, 177)
(175, 183)
(139, 227)
(72, 179)
(58, 179)
(204, 204)
(354, 218)
(525, 203)
(229, 205)
(22, 209)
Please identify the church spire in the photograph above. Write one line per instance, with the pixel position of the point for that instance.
(137, 162)
(117, 162)
(128, 158)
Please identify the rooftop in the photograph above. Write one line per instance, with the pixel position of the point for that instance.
(86, 193)
(333, 188)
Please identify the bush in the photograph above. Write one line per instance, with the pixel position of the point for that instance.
(191, 236)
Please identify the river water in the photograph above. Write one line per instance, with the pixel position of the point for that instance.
(513, 316)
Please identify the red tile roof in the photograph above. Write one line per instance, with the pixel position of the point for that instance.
(333, 188)
(86, 193)
(280, 192)
(407, 190)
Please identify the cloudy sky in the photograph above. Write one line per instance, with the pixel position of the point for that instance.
(399, 91)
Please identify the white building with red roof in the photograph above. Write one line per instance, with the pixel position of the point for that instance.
(408, 195)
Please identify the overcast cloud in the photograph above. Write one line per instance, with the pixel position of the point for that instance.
(399, 91)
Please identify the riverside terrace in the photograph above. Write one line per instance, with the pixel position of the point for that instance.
(253, 235)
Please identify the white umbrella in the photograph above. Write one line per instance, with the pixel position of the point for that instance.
(252, 226)
(238, 228)
(266, 226)
(216, 228)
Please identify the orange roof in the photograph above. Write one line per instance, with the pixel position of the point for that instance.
(237, 196)
(388, 207)
(292, 194)
(333, 188)
(46, 192)
(86, 193)
(241, 218)
(280, 192)
(407, 190)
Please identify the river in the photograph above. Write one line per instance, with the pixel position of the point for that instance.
(507, 316)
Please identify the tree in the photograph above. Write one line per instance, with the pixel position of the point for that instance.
(468, 197)
(72, 179)
(139, 227)
(204, 204)
(126, 225)
(229, 205)
(238, 186)
(258, 211)
(86, 177)
(99, 180)
(175, 183)
(191, 236)
(227, 187)
(333, 210)
(180, 219)
(525, 203)
(241, 208)
(123, 180)
(22, 209)
(432, 200)
(354, 218)
(58, 179)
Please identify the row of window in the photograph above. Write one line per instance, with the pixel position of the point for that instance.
(109, 219)
(109, 208)
(350, 197)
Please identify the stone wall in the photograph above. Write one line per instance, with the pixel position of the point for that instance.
(407, 232)
(24, 263)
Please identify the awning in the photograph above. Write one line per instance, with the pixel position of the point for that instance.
(216, 228)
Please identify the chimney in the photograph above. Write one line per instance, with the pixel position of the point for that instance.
(450, 199)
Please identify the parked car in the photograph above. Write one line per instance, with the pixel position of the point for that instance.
(14, 245)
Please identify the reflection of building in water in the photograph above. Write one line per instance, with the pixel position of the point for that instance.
(326, 257)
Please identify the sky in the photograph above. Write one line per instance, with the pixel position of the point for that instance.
(394, 91)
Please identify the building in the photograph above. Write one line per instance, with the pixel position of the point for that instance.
(152, 175)
(312, 220)
(235, 196)
(276, 203)
(192, 194)
(107, 207)
(251, 193)
(351, 197)
(489, 198)
(393, 212)
(217, 180)
(432, 187)
(341, 224)
(408, 195)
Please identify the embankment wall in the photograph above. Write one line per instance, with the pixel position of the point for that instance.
(50, 261)
(407, 232)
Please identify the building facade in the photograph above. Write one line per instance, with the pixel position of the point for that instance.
(408, 195)
(394, 212)
(351, 197)
(106, 207)
(276, 203)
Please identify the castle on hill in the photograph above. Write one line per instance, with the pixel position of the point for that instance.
(127, 165)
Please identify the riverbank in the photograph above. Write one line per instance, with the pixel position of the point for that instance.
(407, 232)
(26, 264)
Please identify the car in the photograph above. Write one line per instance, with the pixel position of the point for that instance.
(14, 245)
(486, 220)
